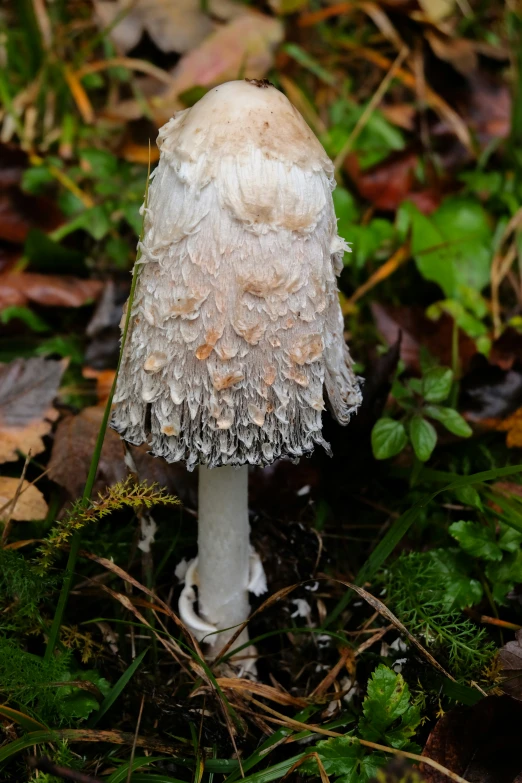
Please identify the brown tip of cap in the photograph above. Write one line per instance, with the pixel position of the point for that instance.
(263, 83)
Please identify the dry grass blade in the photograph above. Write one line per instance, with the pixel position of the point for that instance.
(116, 737)
(320, 766)
(136, 733)
(321, 689)
(110, 566)
(501, 265)
(401, 255)
(282, 720)
(385, 612)
(13, 502)
(126, 62)
(370, 108)
(266, 691)
(80, 96)
(379, 607)
(314, 17)
(432, 98)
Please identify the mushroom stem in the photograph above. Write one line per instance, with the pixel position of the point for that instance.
(224, 553)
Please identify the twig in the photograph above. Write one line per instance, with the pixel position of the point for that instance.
(44, 764)
(401, 255)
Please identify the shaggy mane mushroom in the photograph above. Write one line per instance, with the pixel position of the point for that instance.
(236, 326)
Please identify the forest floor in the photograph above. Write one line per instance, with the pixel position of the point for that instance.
(393, 618)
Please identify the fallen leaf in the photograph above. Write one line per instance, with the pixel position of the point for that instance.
(482, 742)
(104, 380)
(73, 447)
(386, 185)
(27, 390)
(493, 396)
(245, 45)
(512, 425)
(418, 330)
(19, 212)
(29, 505)
(173, 26)
(459, 52)
(510, 657)
(19, 288)
(436, 10)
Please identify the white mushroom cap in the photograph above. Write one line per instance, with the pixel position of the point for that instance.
(236, 327)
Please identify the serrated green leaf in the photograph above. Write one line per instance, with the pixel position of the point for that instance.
(423, 437)
(450, 419)
(389, 716)
(510, 540)
(436, 384)
(388, 438)
(476, 539)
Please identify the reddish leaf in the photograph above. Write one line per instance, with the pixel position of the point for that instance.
(418, 330)
(19, 212)
(391, 182)
(48, 290)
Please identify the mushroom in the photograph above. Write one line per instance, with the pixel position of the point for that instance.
(236, 324)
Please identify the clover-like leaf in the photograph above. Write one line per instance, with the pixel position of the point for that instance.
(388, 438)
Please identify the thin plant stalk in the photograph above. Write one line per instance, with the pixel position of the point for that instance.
(93, 469)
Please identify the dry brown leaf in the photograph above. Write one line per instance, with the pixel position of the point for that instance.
(19, 288)
(173, 26)
(27, 389)
(459, 52)
(511, 424)
(30, 504)
(244, 46)
(73, 446)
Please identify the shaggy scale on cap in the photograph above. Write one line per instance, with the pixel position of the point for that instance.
(236, 323)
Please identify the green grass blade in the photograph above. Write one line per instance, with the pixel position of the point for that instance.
(76, 540)
(121, 774)
(115, 692)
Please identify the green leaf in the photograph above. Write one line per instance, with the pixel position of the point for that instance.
(423, 437)
(401, 526)
(26, 315)
(346, 760)
(388, 438)
(510, 540)
(458, 590)
(450, 419)
(505, 575)
(389, 716)
(36, 179)
(436, 384)
(101, 164)
(115, 692)
(138, 762)
(49, 256)
(453, 247)
(469, 496)
(476, 539)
